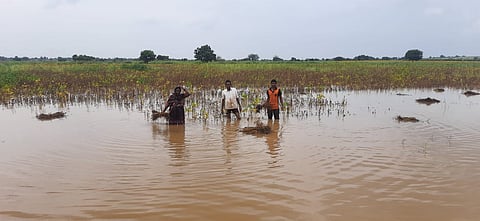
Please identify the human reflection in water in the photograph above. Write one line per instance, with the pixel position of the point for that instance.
(230, 139)
(175, 136)
(272, 141)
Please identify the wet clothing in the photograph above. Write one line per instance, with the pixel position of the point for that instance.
(230, 97)
(273, 105)
(177, 112)
(273, 96)
(273, 113)
(177, 115)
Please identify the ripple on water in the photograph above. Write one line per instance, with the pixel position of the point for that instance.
(115, 164)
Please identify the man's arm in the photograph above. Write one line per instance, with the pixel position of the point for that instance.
(239, 105)
(267, 101)
(223, 103)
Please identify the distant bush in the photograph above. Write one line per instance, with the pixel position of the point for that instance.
(83, 58)
(135, 66)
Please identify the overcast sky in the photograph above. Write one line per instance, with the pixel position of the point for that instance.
(236, 28)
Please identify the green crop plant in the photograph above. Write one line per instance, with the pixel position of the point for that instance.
(40, 78)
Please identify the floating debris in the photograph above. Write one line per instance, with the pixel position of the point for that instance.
(156, 115)
(428, 101)
(259, 129)
(400, 94)
(406, 119)
(55, 115)
(439, 90)
(470, 93)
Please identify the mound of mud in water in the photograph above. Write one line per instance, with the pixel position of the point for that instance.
(471, 93)
(406, 119)
(259, 129)
(52, 116)
(428, 101)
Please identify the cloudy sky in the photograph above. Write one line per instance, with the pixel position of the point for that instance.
(236, 28)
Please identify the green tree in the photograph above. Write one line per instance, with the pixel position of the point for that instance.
(205, 54)
(414, 55)
(82, 58)
(147, 56)
(276, 58)
(162, 57)
(253, 57)
(339, 58)
(363, 57)
(62, 59)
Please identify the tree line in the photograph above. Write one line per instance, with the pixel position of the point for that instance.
(205, 53)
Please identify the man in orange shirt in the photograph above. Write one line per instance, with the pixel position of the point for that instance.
(274, 100)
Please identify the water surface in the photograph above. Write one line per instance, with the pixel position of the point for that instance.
(355, 162)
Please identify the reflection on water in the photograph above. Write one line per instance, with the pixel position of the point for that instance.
(230, 138)
(319, 163)
(175, 135)
(273, 141)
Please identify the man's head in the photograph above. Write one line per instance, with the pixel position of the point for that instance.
(228, 84)
(273, 83)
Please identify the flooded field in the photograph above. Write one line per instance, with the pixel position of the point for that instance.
(334, 156)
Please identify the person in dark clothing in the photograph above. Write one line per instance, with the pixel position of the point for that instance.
(175, 102)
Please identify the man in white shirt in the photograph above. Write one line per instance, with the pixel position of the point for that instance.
(231, 100)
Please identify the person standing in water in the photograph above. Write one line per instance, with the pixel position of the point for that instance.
(274, 100)
(175, 102)
(231, 100)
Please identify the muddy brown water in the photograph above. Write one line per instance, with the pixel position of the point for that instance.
(103, 162)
